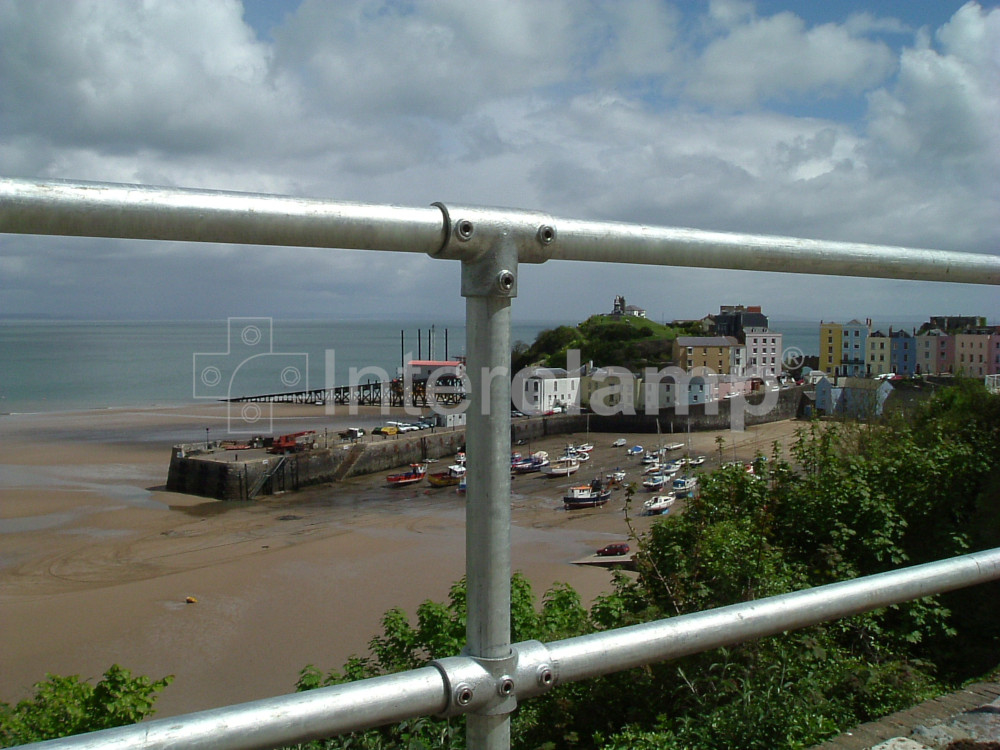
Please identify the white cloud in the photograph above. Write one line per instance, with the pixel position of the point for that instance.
(592, 109)
(778, 57)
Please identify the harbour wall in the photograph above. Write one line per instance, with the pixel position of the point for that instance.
(216, 475)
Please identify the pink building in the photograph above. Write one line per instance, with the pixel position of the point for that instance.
(977, 352)
(935, 353)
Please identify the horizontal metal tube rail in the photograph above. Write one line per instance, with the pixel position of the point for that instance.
(629, 243)
(140, 212)
(601, 653)
(287, 719)
(96, 209)
(383, 700)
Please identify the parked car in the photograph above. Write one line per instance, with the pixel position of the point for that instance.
(615, 548)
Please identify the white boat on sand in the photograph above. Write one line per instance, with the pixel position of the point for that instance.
(561, 467)
(658, 504)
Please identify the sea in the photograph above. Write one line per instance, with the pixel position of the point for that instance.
(51, 366)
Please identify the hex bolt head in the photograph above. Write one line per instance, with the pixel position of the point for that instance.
(505, 281)
(505, 687)
(464, 229)
(545, 676)
(463, 694)
(546, 234)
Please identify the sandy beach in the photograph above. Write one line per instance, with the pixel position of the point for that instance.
(97, 559)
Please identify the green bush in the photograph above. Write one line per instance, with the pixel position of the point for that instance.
(64, 706)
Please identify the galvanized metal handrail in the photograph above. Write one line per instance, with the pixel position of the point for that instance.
(141, 212)
(325, 712)
(490, 243)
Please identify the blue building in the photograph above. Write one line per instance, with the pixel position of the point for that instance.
(902, 352)
(854, 340)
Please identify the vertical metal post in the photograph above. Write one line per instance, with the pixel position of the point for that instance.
(488, 284)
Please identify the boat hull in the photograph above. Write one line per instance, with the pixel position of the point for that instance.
(595, 501)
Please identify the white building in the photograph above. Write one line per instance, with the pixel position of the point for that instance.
(763, 352)
(546, 388)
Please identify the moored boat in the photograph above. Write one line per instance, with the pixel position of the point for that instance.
(654, 482)
(535, 462)
(635, 450)
(414, 475)
(658, 504)
(685, 485)
(561, 467)
(448, 478)
(591, 495)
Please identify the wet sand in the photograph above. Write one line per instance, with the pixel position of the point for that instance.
(97, 559)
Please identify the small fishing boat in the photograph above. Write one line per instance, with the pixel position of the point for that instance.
(619, 443)
(653, 469)
(414, 475)
(658, 504)
(650, 458)
(535, 462)
(584, 448)
(591, 495)
(616, 477)
(674, 446)
(684, 486)
(635, 450)
(561, 467)
(696, 461)
(654, 482)
(449, 478)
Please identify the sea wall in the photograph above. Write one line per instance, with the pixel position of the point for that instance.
(219, 474)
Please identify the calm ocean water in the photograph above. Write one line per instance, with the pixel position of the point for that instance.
(61, 366)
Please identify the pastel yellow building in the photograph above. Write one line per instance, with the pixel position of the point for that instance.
(831, 338)
(878, 354)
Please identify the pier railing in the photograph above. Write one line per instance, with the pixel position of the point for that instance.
(493, 675)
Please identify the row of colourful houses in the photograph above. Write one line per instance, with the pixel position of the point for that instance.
(854, 350)
(704, 369)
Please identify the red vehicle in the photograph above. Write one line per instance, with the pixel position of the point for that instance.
(616, 548)
(293, 442)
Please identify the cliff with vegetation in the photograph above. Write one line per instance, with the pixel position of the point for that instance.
(624, 341)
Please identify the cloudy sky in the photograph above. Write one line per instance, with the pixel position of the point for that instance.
(870, 121)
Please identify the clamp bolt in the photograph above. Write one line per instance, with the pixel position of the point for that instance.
(506, 687)
(463, 694)
(546, 234)
(464, 229)
(505, 281)
(545, 676)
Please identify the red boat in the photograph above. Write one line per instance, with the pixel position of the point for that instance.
(414, 475)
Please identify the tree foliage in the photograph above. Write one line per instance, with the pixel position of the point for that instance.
(63, 706)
